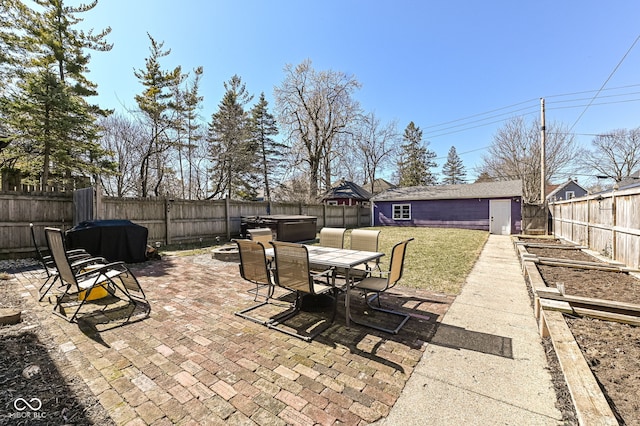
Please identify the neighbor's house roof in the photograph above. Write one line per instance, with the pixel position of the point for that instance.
(346, 189)
(630, 181)
(553, 189)
(379, 185)
(512, 188)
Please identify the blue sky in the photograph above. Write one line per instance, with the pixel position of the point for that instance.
(430, 62)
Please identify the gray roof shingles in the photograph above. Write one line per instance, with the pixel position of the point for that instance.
(512, 188)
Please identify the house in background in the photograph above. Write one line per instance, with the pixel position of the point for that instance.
(346, 193)
(565, 191)
(630, 181)
(488, 206)
(379, 185)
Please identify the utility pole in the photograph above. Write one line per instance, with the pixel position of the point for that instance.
(543, 178)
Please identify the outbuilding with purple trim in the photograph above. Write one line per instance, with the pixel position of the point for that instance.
(488, 206)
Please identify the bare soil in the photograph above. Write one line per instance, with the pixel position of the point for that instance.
(34, 372)
(611, 349)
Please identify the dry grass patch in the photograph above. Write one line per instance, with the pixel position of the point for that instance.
(439, 259)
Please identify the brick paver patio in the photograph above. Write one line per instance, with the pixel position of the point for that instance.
(192, 361)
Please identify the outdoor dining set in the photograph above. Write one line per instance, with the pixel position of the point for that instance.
(312, 271)
(287, 276)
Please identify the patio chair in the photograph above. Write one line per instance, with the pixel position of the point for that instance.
(365, 240)
(332, 237)
(78, 257)
(254, 267)
(380, 284)
(80, 284)
(292, 273)
(263, 235)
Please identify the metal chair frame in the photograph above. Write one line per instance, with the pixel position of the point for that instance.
(292, 273)
(78, 257)
(98, 276)
(379, 285)
(254, 267)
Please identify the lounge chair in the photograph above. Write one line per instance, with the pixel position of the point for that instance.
(77, 257)
(383, 282)
(114, 277)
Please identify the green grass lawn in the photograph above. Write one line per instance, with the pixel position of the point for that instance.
(438, 259)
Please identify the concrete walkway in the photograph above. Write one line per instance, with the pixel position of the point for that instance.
(486, 364)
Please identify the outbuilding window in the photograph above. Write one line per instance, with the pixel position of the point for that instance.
(402, 212)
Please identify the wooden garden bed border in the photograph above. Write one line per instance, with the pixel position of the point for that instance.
(590, 403)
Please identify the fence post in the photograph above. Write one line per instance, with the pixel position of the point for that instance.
(167, 221)
(324, 215)
(614, 223)
(97, 213)
(227, 214)
(344, 215)
(588, 242)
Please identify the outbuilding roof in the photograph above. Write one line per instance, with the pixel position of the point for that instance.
(512, 188)
(347, 189)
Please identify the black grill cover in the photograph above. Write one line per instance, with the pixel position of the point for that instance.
(112, 239)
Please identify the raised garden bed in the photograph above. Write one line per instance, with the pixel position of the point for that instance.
(599, 303)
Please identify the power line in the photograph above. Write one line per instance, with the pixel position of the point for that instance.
(464, 124)
(481, 120)
(431, 135)
(605, 83)
(601, 97)
(590, 91)
(479, 114)
(596, 104)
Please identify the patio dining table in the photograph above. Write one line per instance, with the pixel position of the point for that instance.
(339, 258)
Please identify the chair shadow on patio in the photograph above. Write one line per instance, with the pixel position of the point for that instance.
(108, 316)
(423, 327)
(364, 341)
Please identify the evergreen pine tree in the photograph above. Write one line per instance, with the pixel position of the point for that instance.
(184, 104)
(192, 103)
(232, 151)
(154, 103)
(51, 89)
(453, 170)
(416, 161)
(263, 128)
(484, 177)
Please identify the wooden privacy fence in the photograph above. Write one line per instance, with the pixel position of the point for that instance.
(168, 221)
(608, 223)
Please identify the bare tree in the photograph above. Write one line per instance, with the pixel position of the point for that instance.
(122, 137)
(375, 146)
(616, 154)
(515, 154)
(314, 108)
